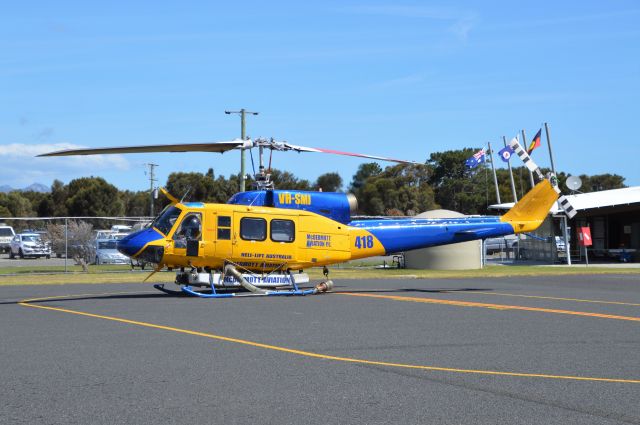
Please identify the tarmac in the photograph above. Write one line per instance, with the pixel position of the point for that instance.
(534, 350)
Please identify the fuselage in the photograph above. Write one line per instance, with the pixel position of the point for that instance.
(267, 238)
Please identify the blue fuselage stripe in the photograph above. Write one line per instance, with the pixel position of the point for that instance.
(407, 234)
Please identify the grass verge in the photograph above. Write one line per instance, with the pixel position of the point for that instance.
(96, 274)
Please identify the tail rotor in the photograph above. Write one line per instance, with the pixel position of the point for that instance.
(564, 203)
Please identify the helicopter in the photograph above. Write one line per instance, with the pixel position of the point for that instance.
(261, 241)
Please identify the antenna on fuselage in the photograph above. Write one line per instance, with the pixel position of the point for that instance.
(185, 194)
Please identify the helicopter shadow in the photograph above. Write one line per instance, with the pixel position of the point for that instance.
(96, 297)
(410, 290)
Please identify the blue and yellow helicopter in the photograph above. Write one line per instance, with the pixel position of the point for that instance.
(262, 240)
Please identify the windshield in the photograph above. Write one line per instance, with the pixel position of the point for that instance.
(165, 221)
(5, 231)
(31, 238)
(107, 244)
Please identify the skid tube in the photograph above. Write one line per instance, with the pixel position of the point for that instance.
(253, 290)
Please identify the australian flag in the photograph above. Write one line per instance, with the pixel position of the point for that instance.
(477, 158)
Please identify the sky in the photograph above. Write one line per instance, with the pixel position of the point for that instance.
(392, 78)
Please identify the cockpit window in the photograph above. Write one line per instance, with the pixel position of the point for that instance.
(190, 229)
(167, 218)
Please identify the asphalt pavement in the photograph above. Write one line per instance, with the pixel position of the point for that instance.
(547, 350)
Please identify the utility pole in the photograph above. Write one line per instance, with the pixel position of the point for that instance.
(152, 180)
(243, 136)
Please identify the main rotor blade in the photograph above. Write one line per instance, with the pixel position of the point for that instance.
(187, 147)
(360, 155)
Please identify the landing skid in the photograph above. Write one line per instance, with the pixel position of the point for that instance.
(252, 291)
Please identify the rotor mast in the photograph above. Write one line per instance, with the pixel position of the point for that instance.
(243, 136)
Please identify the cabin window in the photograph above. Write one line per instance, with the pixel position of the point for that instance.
(253, 229)
(283, 230)
(224, 227)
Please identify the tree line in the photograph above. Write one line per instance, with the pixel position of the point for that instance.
(442, 181)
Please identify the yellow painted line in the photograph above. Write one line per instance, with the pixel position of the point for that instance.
(556, 298)
(28, 303)
(493, 306)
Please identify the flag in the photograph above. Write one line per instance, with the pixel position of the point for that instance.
(535, 143)
(476, 159)
(505, 153)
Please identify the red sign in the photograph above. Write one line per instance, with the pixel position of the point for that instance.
(585, 236)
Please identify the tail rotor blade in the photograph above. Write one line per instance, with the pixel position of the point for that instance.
(564, 203)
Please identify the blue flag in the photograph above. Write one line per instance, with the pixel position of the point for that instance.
(505, 153)
(477, 158)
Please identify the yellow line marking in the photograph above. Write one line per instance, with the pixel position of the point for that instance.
(493, 306)
(556, 298)
(27, 303)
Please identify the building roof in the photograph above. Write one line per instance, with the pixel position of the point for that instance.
(591, 200)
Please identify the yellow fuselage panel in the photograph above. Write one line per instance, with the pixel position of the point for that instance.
(318, 240)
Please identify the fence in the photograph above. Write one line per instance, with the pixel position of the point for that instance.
(74, 238)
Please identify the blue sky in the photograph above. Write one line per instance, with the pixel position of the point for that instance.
(399, 79)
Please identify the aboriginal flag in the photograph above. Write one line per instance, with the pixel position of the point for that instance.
(535, 143)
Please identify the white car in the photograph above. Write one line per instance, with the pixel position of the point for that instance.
(29, 245)
(6, 235)
(106, 252)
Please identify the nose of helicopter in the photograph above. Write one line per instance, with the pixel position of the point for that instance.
(133, 243)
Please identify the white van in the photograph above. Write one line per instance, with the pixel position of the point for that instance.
(6, 235)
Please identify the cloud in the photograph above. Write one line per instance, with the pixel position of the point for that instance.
(20, 165)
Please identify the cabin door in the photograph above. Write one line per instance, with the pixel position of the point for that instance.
(223, 236)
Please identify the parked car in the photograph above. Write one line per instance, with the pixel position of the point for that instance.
(6, 235)
(29, 245)
(120, 228)
(106, 252)
(560, 246)
(503, 243)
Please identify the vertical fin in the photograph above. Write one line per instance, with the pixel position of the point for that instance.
(529, 213)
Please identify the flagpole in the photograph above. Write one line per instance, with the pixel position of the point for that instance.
(524, 143)
(565, 220)
(546, 129)
(513, 185)
(495, 177)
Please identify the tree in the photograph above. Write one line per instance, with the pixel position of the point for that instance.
(196, 186)
(17, 204)
(457, 187)
(136, 204)
(59, 195)
(601, 182)
(365, 171)
(286, 180)
(93, 197)
(398, 190)
(329, 182)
